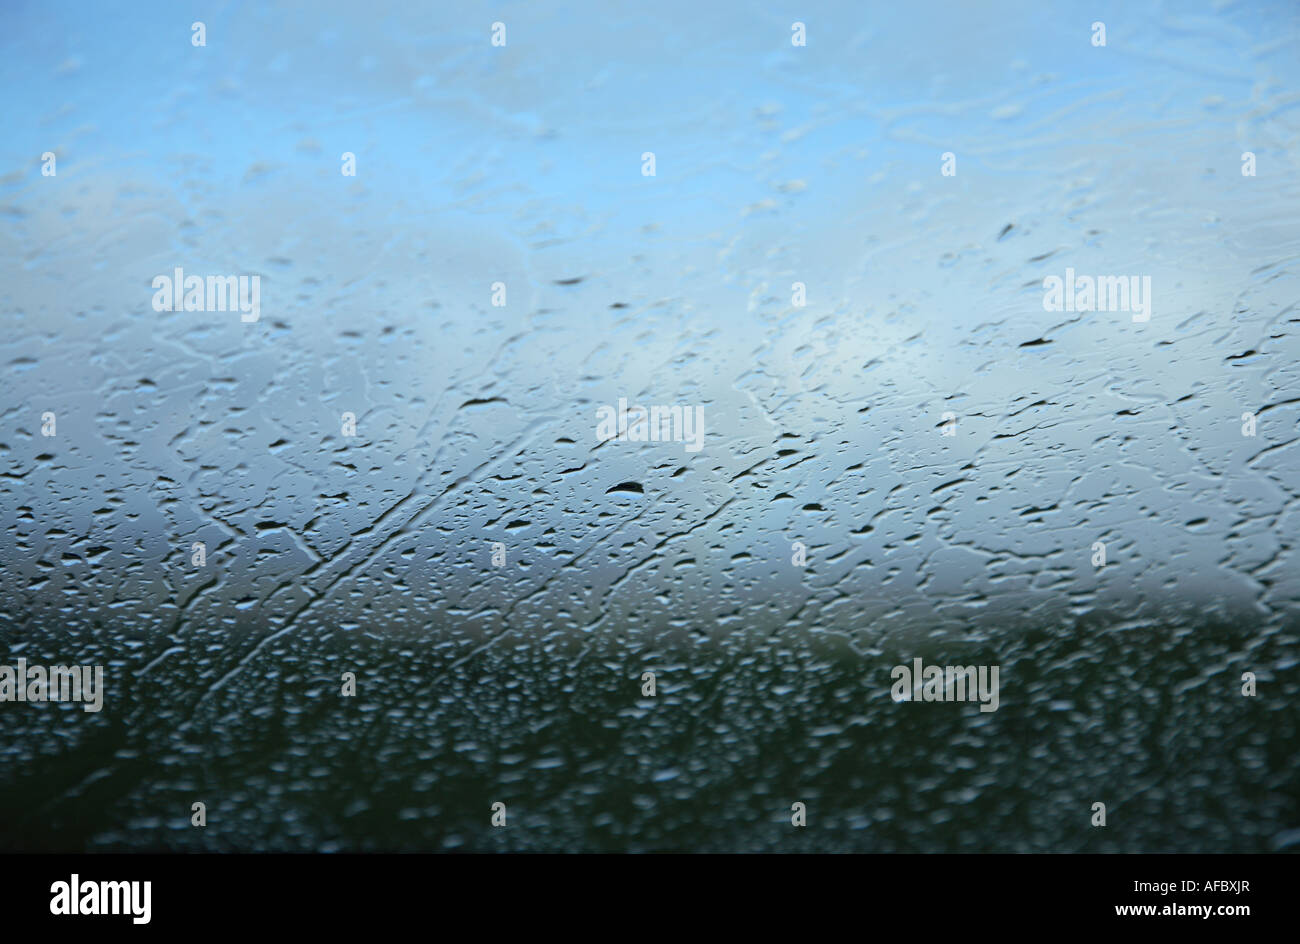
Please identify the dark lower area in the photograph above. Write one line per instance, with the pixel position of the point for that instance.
(1148, 719)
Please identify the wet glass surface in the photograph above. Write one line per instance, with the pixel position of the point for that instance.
(947, 452)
